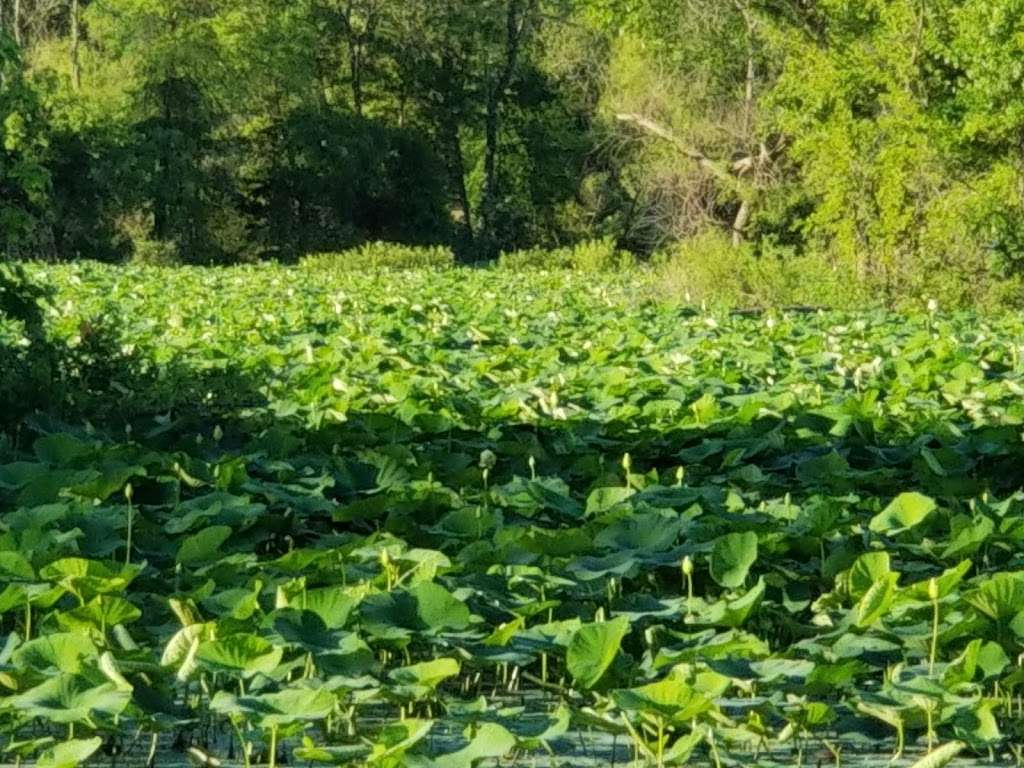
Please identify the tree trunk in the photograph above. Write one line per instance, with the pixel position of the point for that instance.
(490, 202)
(354, 62)
(739, 224)
(359, 39)
(457, 178)
(748, 104)
(516, 20)
(16, 22)
(356, 68)
(76, 68)
(162, 204)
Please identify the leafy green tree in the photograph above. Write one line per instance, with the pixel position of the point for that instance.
(502, 111)
(880, 139)
(437, 51)
(177, 175)
(24, 178)
(904, 126)
(980, 67)
(324, 179)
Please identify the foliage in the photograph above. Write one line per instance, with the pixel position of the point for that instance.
(588, 256)
(24, 350)
(708, 269)
(382, 256)
(849, 151)
(357, 510)
(899, 125)
(326, 180)
(24, 178)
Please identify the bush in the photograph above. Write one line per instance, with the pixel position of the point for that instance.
(588, 256)
(156, 253)
(709, 269)
(383, 256)
(25, 353)
(951, 270)
(25, 182)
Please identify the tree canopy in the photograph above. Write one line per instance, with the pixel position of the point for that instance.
(884, 137)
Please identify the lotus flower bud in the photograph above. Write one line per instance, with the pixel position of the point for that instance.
(487, 459)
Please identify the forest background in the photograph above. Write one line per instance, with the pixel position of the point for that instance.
(838, 151)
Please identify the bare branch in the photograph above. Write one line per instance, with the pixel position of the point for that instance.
(655, 129)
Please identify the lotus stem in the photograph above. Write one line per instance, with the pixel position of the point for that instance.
(933, 595)
(129, 492)
(154, 739)
(638, 743)
(899, 743)
(714, 748)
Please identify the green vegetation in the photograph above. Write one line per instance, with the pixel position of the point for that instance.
(769, 152)
(588, 256)
(434, 517)
(382, 256)
(447, 383)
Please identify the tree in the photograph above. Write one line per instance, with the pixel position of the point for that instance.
(519, 17)
(978, 66)
(905, 125)
(687, 84)
(178, 174)
(322, 180)
(436, 49)
(24, 179)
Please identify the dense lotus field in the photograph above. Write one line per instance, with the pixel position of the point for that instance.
(446, 519)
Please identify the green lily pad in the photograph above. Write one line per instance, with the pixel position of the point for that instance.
(731, 558)
(904, 512)
(243, 653)
(592, 650)
(69, 754)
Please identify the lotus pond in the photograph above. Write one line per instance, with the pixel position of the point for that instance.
(458, 518)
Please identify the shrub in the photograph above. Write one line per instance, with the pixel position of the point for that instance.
(156, 253)
(25, 354)
(709, 269)
(588, 256)
(377, 256)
